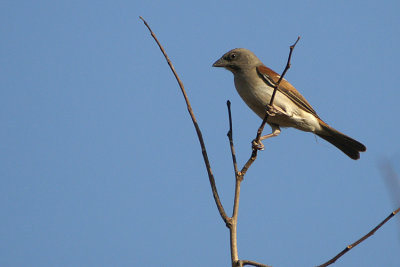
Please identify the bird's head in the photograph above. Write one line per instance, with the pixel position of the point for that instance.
(238, 59)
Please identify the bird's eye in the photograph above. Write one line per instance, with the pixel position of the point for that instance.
(232, 56)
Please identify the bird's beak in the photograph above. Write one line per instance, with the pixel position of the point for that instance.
(219, 63)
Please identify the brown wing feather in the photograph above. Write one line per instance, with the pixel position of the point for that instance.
(271, 77)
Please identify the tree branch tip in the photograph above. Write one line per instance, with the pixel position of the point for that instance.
(295, 43)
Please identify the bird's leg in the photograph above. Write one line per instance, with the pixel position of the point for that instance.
(275, 132)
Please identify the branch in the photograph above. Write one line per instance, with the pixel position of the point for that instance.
(238, 179)
(261, 128)
(247, 262)
(344, 251)
(232, 222)
(230, 136)
(196, 126)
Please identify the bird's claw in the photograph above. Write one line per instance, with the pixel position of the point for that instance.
(257, 145)
(271, 110)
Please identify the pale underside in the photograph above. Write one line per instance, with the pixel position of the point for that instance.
(258, 95)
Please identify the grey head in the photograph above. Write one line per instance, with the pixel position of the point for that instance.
(237, 60)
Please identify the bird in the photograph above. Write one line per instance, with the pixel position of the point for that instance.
(255, 84)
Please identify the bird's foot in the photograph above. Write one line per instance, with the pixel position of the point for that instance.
(272, 110)
(257, 145)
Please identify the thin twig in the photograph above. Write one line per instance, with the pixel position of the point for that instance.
(247, 262)
(288, 65)
(261, 128)
(196, 126)
(370, 233)
(230, 136)
(232, 222)
(238, 179)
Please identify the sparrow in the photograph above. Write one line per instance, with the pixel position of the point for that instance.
(255, 84)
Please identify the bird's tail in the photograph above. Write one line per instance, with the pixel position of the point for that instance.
(348, 145)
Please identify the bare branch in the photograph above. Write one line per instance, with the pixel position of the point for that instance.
(370, 233)
(288, 65)
(196, 126)
(231, 222)
(230, 136)
(261, 128)
(238, 179)
(247, 262)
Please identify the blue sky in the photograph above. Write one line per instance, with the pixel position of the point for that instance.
(100, 164)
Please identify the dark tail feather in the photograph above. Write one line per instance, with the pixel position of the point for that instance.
(348, 145)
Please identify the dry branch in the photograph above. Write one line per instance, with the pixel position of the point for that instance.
(370, 233)
(231, 222)
(247, 262)
(196, 126)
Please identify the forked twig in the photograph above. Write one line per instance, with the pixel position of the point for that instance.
(231, 222)
(261, 128)
(196, 126)
(370, 233)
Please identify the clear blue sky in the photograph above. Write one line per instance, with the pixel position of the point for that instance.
(100, 164)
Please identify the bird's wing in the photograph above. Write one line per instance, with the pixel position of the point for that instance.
(271, 78)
